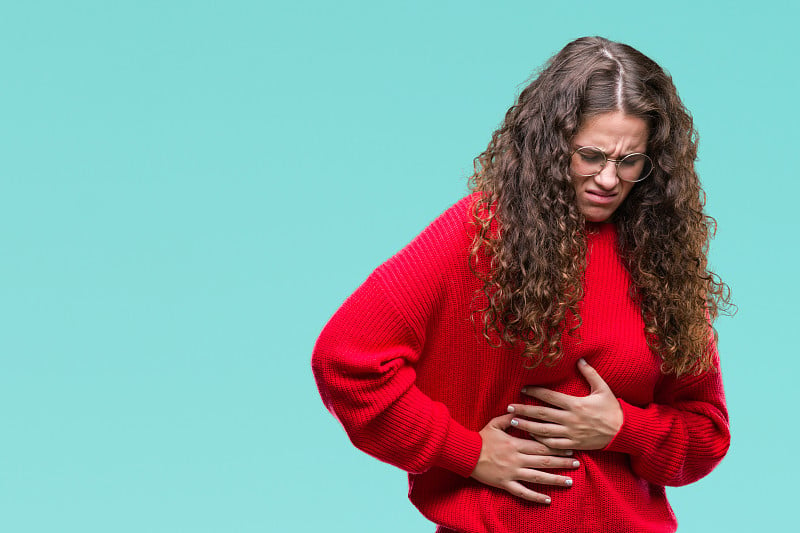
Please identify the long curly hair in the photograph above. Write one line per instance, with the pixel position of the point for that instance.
(530, 244)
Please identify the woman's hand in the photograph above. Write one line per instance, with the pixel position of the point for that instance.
(505, 461)
(580, 422)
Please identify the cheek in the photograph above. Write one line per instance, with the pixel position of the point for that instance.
(577, 181)
(626, 189)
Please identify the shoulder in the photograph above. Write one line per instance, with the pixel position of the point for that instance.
(444, 244)
(422, 277)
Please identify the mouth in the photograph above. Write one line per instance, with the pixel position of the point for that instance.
(600, 197)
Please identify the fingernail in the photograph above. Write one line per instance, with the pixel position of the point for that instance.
(515, 422)
(568, 482)
(524, 390)
(510, 409)
(576, 464)
(547, 501)
(568, 452)
(582, 361)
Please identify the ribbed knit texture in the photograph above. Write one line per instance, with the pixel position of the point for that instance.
(411, 379)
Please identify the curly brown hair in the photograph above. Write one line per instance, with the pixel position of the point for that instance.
(530, 244)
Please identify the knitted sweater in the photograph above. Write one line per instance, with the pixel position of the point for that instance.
(412, 380)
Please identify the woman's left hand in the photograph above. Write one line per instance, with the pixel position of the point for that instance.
(576, 422)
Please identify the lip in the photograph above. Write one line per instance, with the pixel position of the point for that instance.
(596, 197)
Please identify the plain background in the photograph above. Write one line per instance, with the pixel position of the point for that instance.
(188, 191)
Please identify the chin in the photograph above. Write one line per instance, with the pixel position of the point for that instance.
(597, 217)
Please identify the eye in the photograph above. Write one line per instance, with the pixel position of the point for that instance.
(632, 161)
(592, 158)
(591, 155)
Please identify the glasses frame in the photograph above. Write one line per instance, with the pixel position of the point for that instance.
(615, 161)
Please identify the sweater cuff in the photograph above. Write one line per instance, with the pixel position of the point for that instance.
(632, 437)
(461, 450)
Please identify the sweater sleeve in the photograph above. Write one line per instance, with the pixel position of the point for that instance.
(366, 358)
(683, 435)
(363, 364)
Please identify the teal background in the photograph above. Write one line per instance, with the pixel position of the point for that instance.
(188, 191)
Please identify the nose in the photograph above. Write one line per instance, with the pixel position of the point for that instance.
(607, 178)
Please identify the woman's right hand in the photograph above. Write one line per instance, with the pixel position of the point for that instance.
(505, 461)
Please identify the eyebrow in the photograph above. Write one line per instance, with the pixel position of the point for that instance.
(608, 155)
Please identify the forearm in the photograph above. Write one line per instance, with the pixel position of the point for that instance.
(404, 428)
(363, 367)
(674, 444)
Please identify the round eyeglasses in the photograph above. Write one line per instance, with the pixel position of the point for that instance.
(588, 161)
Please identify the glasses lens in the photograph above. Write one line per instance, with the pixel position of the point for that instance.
(588, 161)
(634, 167)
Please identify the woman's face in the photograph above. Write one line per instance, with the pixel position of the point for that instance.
(618, 135)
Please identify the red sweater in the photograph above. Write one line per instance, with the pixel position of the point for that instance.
(411, 379)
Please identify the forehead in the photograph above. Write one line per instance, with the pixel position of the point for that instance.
(614, 132)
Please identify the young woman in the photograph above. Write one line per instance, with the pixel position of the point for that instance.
(541, 357)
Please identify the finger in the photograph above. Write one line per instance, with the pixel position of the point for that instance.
(539, 412)
(502, 422)
(518, 489)
(540, 429)
(552, 397)
(556, 442)
(594, 379)
(534, 447)
(549, 461)
(531, 475)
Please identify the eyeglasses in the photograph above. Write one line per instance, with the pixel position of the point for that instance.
(588, 161)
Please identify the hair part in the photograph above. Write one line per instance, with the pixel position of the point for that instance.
(530, 243)
(621, 72)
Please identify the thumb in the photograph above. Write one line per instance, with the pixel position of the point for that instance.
(592, 377)
(501, 422)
